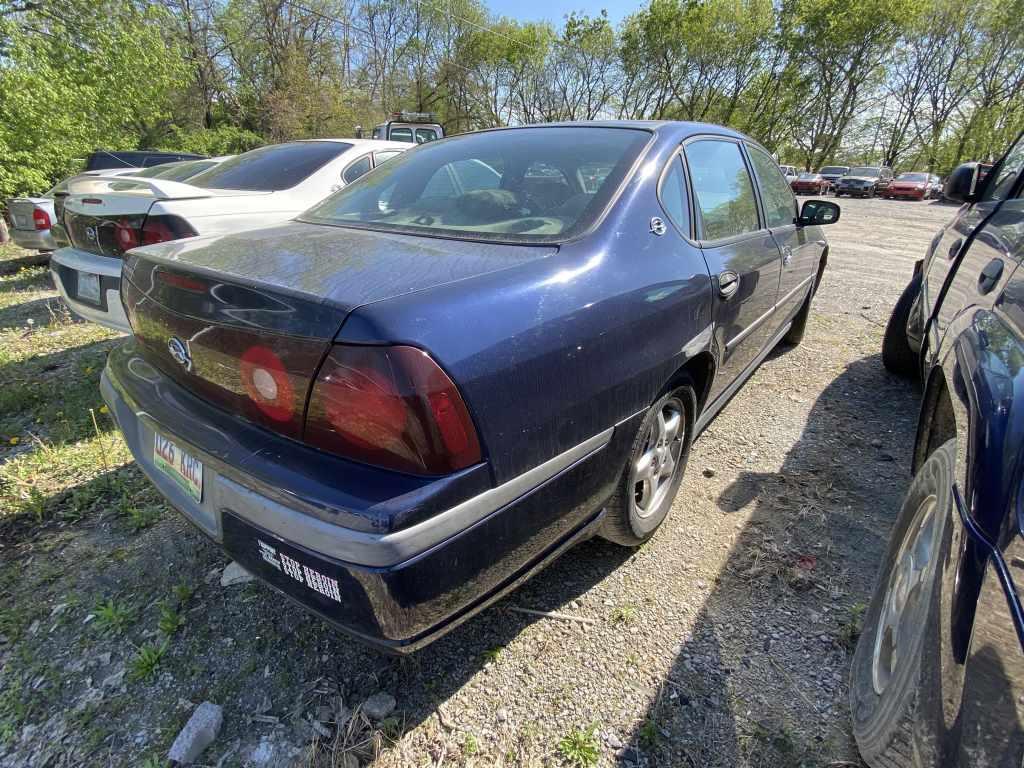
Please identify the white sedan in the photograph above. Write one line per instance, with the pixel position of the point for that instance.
(105, 218)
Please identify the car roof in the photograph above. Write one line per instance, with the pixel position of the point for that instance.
(369, 143)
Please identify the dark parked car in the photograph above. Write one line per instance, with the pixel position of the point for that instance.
(810, 183)
(100, 159)
(938, 674)
(864, 181)
(417, 394)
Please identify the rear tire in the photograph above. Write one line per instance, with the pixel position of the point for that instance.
(657, 462)
(897, 355)
(893, 693)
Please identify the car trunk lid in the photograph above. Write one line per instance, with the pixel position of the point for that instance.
(213, 312)
(23, 209)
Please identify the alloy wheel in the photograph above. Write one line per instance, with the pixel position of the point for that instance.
(659, 458)
(900, 617)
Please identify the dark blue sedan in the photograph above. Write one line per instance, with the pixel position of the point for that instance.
(427, 387)
(938, 674)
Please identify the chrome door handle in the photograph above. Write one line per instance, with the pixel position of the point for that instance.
(954, 249)
(989, 277)
(728, 284)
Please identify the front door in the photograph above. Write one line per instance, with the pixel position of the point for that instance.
(800, 254)
(740, 253)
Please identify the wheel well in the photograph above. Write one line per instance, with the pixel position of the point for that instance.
(699, 369)
(937, 424)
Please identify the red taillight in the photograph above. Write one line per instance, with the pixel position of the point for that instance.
(126, 234)
(393, 407)
(160, 229)
(267, 383)
(41, 218)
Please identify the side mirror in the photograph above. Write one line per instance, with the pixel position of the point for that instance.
(961, 185)
(818, 212)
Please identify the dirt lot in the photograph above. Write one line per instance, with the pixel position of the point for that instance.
(724, 641)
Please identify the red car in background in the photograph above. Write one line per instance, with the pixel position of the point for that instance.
(910, 186)
(810, 183)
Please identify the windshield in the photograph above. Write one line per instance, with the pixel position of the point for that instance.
(517, 185)
(808, 175)
(834, 169)
(268, 169)
(919, 177)
(865, 170)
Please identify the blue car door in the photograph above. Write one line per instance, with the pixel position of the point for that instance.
(739, 250)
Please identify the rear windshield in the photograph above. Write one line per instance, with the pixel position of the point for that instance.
(922, 177)
(830, 169)
(865, 171)
(518, 185)
(176, 171)
(268, 169)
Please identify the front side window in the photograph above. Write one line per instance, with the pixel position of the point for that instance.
(723, 189)
(267, 169)
(776, 194)
(514, 185)
(356, 169)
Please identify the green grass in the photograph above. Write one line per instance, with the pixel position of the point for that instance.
(112, 618)
(56, 438)
(623, 614)
(147, 659)
(580, 748)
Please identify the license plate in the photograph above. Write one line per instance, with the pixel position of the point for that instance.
(89, 287)
(182, 467)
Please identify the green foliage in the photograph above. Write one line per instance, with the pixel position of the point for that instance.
(112, 618)
(91, 74)
(147, 660)
(581, 748)
(222, 140)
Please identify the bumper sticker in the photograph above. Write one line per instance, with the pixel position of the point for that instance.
(303, 574)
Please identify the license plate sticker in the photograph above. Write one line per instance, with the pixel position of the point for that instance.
(89, 287)
(182, 467)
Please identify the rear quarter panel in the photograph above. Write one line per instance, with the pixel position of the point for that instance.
(556, 351)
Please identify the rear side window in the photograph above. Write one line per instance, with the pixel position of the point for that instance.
(424, 135)
(384, 156)
(268, 169)
(779, 203)
(356, 169)
(723, 189)
(401, 134)
(673, 195)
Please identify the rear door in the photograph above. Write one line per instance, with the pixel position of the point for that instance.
(740, 252)
(800, 255)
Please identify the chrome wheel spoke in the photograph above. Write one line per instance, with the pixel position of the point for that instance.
(645, 466)
(672, 425)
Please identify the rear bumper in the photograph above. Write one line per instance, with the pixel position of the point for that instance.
(33, 239)
(67, 263)
(395, 589)
(907, 194)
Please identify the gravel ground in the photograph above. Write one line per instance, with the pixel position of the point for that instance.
(725, 641)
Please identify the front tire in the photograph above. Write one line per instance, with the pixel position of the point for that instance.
(897, 355)
(892, 693)
(657, 462)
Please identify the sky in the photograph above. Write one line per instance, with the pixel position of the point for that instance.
(555, 11)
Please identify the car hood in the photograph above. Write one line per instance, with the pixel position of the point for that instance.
(337, 266)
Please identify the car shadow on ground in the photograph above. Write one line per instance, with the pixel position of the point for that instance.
(801, 567)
